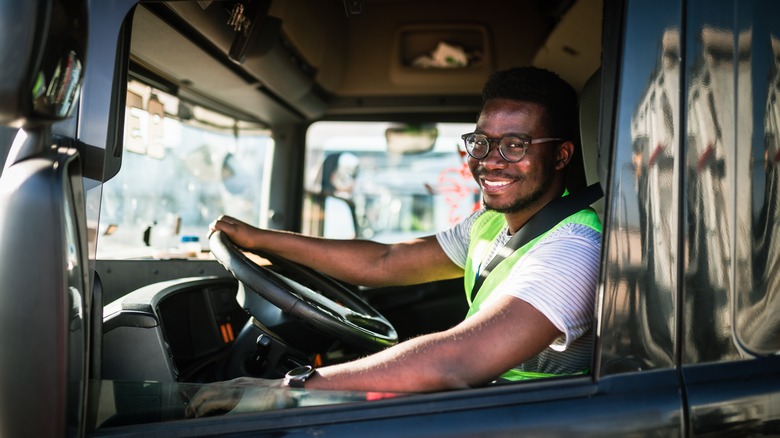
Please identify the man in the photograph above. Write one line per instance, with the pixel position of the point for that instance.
(533, 314)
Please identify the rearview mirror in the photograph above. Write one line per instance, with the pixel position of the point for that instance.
(411, 139)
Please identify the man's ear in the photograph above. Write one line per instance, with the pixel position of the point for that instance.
(565, 153)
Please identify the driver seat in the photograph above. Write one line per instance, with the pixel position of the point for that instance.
(592, 150)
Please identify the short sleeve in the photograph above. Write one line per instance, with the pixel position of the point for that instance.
(454, 241)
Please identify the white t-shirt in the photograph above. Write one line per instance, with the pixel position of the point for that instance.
(558, 276)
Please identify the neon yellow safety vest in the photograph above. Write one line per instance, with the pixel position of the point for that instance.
(483, 233)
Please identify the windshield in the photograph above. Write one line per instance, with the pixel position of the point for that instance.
(182, 166)
(360, 185)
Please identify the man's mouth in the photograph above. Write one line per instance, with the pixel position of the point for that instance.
(494, 185)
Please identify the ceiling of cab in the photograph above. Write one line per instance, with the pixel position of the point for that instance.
(305, 59)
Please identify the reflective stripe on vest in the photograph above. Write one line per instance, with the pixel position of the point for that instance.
(517, 375)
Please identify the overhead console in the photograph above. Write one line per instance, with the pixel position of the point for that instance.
(244, 59)
(455, 56)
(304, 59)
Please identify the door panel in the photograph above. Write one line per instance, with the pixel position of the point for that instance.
(731, 302)
(572, 406)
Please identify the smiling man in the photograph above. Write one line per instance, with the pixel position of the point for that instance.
(532, 315)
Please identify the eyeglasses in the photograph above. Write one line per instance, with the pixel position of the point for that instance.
(511, 147)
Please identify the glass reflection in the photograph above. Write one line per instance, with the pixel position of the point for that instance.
(123, 403)
(639, 314)
(654, 134)
(57, 97)
(731, 287)
(709, 193)
(757, 319)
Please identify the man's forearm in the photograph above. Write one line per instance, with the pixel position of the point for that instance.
(352, 261)
(407, 367)
(362, 262)
(470, 354)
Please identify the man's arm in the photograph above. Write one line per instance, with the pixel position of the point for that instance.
(472, 353)
(354, 261)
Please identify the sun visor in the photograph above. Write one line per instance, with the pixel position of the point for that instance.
(254, 41)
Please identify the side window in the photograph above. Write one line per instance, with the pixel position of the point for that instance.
(384, 181)
(637, 322)
(182, 166)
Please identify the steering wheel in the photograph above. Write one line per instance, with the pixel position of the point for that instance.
(331, 308)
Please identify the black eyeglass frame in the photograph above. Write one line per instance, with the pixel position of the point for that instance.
(524, 140)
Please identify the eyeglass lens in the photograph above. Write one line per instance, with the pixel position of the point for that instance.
(511, 148)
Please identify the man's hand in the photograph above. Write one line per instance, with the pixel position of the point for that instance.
(244, 394)
(241, 233)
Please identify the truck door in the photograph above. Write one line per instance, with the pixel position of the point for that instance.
(731, 224)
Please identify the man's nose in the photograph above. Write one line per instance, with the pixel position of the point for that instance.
(493, 160)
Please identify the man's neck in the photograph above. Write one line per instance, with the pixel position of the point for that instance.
(516, 220)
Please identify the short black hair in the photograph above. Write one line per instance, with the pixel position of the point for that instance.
(542, 87)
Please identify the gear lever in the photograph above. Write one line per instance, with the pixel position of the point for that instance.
(257, 362)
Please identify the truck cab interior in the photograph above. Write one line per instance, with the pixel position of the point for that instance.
(334, 118)
(129, 126)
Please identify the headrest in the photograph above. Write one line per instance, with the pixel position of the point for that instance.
(590, 104)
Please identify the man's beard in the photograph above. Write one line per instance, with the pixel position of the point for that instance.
(523, 202)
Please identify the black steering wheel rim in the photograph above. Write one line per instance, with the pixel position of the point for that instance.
(355, 322)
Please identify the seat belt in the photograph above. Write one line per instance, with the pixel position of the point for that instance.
(550, 215)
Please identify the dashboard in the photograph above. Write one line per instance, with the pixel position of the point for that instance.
(172, 330)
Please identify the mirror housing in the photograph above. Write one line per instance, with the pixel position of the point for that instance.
(41, 77)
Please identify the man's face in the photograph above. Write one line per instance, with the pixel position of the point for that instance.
(512, 187)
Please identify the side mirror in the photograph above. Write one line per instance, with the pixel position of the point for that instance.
(42, 53)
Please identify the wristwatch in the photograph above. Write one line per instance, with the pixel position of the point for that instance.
(296, 377)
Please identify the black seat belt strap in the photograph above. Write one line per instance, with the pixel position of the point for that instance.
(549, 216)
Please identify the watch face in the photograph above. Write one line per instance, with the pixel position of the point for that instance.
(296, 377)
(300, 371)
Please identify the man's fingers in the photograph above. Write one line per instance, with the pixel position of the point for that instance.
(222, 221)
(197, 400)
(226, 224)
(215, 405)
(213, 399)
